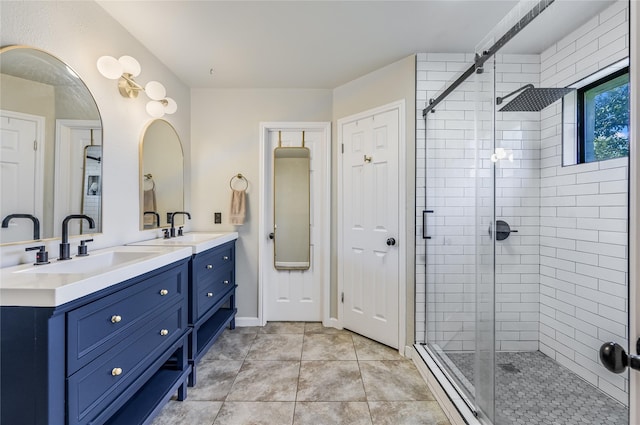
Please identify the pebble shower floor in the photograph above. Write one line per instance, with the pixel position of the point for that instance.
(533, 389)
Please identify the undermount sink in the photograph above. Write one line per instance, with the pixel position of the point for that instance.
(93, 263)
(197, 241)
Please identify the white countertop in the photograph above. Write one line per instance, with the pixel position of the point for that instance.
(60, 282)
(197, 241)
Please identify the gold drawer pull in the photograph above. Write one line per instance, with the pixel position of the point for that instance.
(164, 292)
(209, 294)
(116, 371)
(164, 332)
(116, 319)
(209, 266)
(225, 258)
(226, 282)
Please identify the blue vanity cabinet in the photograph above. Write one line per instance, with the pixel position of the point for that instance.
(112, 357)
(213, 299)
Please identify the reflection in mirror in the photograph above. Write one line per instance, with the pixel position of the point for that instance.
(291, 195)
(50, 131)
(161, 176)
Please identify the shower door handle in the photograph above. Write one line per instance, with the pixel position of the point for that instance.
(424, 223)
(616, 360)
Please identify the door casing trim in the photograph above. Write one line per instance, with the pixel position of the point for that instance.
(264, 251)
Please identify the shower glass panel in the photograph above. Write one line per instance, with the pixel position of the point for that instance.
(458, 250)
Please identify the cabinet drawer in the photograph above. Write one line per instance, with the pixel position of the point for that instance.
(96, 327)
(96, 385)
(214, 258)
(208, 294)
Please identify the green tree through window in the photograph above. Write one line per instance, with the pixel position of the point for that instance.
(604, 117)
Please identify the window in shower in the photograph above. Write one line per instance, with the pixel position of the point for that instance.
(603, 118)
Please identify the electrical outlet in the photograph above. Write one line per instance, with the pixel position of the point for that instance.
(217, 218)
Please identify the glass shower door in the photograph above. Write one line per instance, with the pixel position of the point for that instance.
(458, 249)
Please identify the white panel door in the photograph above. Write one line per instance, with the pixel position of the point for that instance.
(370, 226)
(21, 188)
(296, 295)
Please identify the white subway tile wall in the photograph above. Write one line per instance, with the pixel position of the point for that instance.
(561, 281)
(583, 253)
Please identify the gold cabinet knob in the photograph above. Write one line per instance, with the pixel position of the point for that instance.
(164, 292)
(209, 266)
(226, 282)
(209, 294)
(116, 371)
(116, 319)
(225, 258)
(164, 332)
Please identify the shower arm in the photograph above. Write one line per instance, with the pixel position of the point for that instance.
(499, 100)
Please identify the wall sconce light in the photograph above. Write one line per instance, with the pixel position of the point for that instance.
(124, 70)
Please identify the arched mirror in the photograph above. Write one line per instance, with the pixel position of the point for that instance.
(51, 157)
(161, 175)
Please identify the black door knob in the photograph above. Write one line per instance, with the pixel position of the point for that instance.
(616, 360)
(391, 241)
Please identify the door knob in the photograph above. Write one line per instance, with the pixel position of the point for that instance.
(391, 241)
(616, 360)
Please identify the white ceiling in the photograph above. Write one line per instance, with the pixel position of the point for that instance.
(314, 44)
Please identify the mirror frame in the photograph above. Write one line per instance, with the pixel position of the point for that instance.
(141, 173)
(302, 265)
(11, 47)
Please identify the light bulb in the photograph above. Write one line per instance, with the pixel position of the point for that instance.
(155, 90)
(155, 109)
(109, 67)
(171, 106)
(130, 65)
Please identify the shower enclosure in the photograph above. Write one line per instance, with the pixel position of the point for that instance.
(522, 264)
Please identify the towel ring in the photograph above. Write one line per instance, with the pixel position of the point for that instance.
(239, 177)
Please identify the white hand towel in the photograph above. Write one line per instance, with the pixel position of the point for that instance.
(237, 212)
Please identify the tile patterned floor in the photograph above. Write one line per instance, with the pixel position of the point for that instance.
(290, 373)
(533, 389)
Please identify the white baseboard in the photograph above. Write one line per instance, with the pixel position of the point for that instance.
(243, 322)
(332, 322)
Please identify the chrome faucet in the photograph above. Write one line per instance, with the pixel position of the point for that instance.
(36, 223)
(64, 245)
(172, 230)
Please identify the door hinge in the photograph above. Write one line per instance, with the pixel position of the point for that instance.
(35, 145)
(342, 298)
(343, 148)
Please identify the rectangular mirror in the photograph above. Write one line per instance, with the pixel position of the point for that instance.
(291, 198)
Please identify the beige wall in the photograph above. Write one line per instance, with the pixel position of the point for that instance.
(78, 33)
(226, 136)
(389, 84)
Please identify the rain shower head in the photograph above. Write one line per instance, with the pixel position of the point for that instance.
(532, 99)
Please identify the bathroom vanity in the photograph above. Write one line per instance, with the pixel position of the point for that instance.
(212, 288)
(93, 340)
